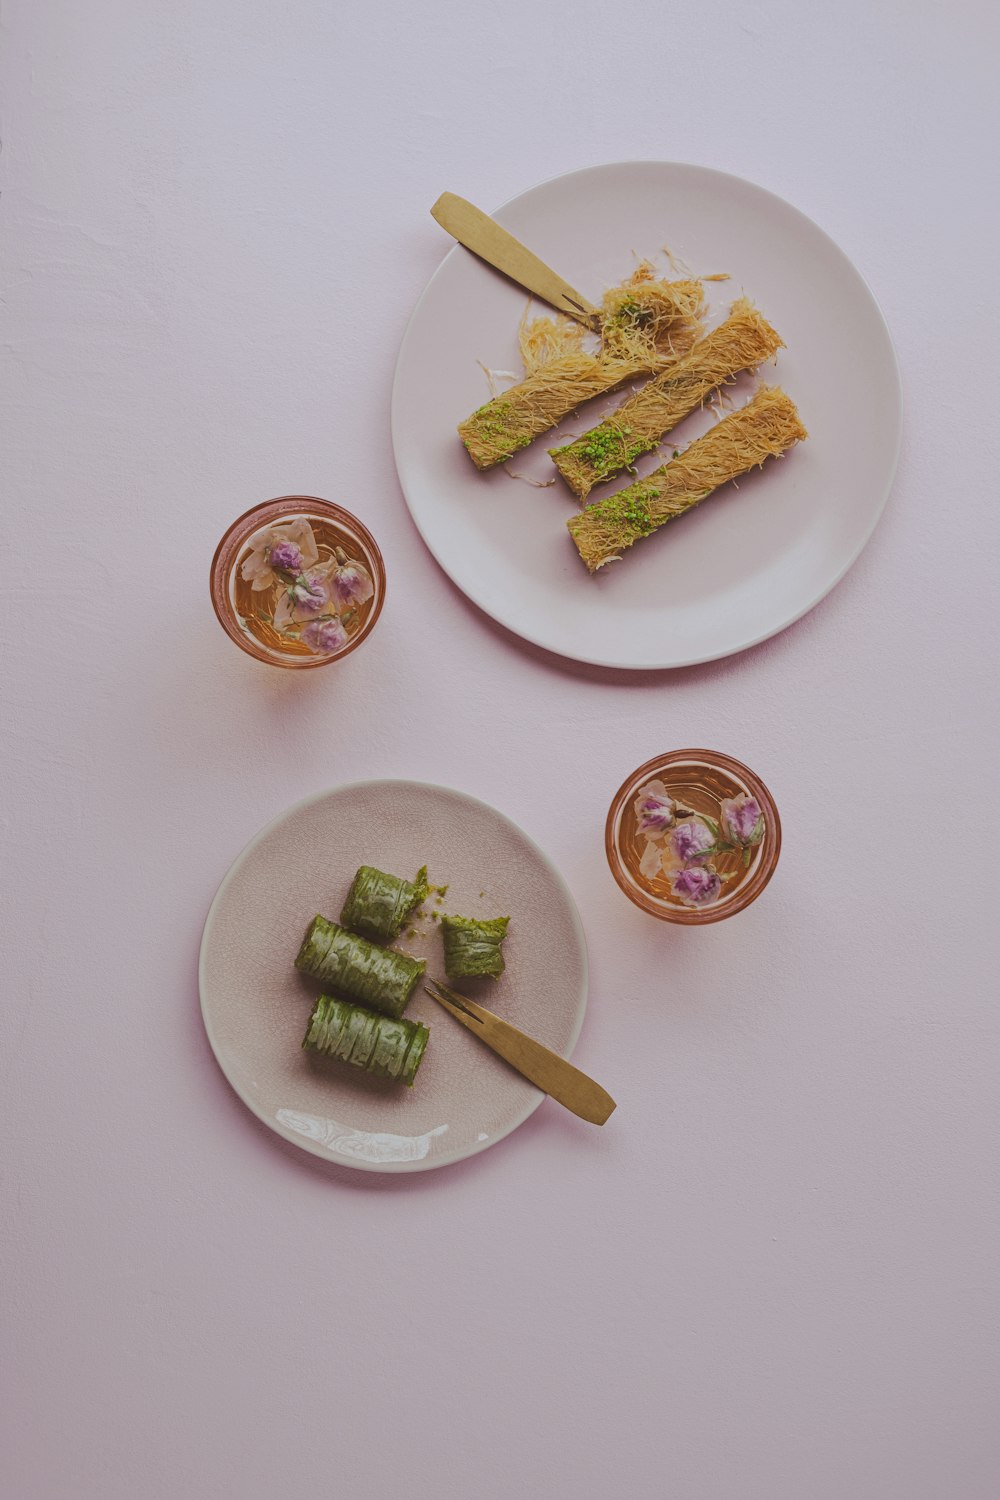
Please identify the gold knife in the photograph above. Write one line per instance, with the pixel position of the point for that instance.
(483, 235)
(540, 1065)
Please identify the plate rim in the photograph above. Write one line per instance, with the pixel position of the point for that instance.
(674, 662)
(304, 1143)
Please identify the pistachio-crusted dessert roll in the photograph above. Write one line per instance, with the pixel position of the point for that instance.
(742, 342)
(644, 327)
(378, 904)
(379, 977)
(764, 428)
(472, 946)
(387, 1046)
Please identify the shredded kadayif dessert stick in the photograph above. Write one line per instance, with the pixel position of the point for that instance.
(742, 342)
(764, 428)
(645, 325)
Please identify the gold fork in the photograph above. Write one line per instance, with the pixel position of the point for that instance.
(498, 247)
(540, 1065)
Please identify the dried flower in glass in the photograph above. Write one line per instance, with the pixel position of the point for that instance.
(298, 581)
(690, 841)
(313, 601)
(288, 547)
(654, 810)
(696, 885)
(693, 836)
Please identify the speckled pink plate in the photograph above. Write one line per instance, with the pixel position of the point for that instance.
(256, 1006)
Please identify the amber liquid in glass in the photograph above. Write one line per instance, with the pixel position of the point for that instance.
(256, 610)
(700, 788)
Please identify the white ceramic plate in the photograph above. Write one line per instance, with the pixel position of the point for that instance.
(256, 1006)
(746, 563)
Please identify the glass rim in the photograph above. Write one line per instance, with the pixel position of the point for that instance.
(693, 916)
(233, 538)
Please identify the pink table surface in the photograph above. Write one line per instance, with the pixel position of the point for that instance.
(773, 1275)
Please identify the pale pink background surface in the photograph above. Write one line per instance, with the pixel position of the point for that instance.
(773, 1275)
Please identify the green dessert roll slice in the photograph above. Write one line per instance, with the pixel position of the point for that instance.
(374, 976)
(472, 946)
(385, 1046)
(379, 904)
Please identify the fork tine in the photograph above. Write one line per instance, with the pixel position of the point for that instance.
(546, 1069)
(443, 994)
(450, 994)
(454, 1005)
